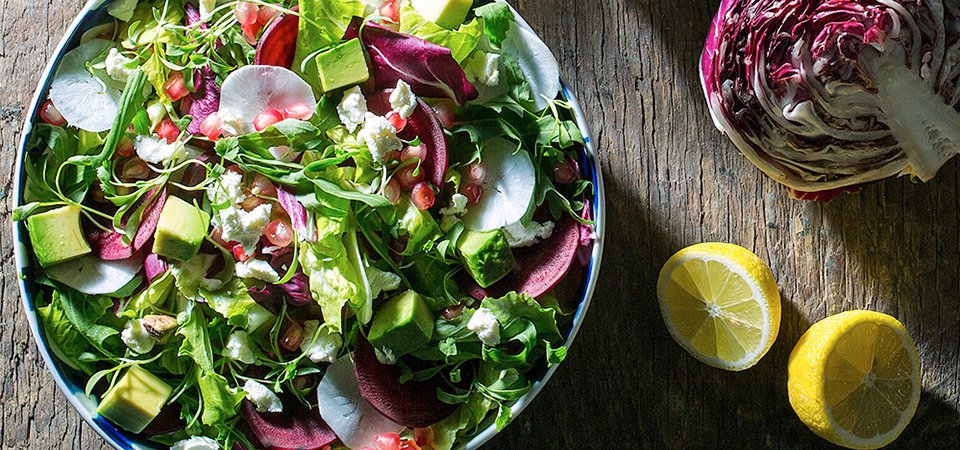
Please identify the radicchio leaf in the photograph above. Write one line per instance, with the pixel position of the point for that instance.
(206, 97)
(153, 267)
(827, 95)
(299, 218)
(428, 68)
(297, 290)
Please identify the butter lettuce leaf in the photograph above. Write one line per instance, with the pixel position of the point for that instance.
(334, 280)
(64, 338)
(461, 42)
(322, 24)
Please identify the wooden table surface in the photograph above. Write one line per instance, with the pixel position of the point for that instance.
(671, 180)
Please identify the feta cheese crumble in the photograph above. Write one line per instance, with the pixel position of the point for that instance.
(155, 151)
(379, 136)
(136, 337)
(233, 123)
(319, 344)
(237, 348)
(525, 236)
(196, 443)
(257, 269)
(402, 100)
(238, 225)
(486, 326)
(458, 206)
(352, 109)
(484, 67)
(116, 66)
(262, 397)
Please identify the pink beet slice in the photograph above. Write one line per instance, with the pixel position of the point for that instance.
(148, 222)
(297, 427)
(109, 246)
(539, 268)
(411, 404)
(423, 123)
(278, 44)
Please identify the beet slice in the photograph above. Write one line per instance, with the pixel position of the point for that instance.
(411, 404)
(148, 223)
(278, 44)
(539, 268)
(109, 246)
(423, 123)
(297, 427)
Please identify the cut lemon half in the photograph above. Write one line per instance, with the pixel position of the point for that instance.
(720, 303)
(854, 379)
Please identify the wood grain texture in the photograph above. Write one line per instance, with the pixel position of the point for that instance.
(672, 180)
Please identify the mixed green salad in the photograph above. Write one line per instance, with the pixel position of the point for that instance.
(306, 224)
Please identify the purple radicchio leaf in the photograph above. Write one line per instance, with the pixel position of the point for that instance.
(299, 218)
(153, 267)
(428, 68)
(268, 296)
(206, 97)
(297, 290)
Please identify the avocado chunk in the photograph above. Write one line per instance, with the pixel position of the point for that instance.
(486, 255)
(342, 66)
(56, 235)
(446, 13)
(135, 400)
(180, 230)
(403, 324)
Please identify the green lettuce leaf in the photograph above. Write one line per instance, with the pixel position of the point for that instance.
(65, 340)
(85, 311)
(153, 295)
(220, 401)
(196, 339)
(322, 24)
(461, 42)
(497, 19)
(334, 280)
(235, 304)
(513, 307)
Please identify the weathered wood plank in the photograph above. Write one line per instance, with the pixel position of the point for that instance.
(672, 180)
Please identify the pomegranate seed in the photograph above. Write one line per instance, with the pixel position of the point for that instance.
(235, 169)
(566, 172)
(392, 191)
(392, 156)
(298, 111)
(262, 186)
(391, 10)
(450, 313)
(473, 192)
(422, 196)
(246, 12)
(168, 131)
(251, 202)
(279, 233)
(212, 127)
(175, 87)
(217, 236)
(387, 441)
(398, 123)
(266, 14)
(250, 32)
(424, 436)
(409, 444)
(185, 105)
(266, 118)
(416, 151)
(405, 176)
(445, 110)
(292, 337)
(238, 253)
(135, 169)
(50, 115)
(477, 172)
(125, 147)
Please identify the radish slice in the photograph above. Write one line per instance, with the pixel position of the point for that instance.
(535, 59)
(250, 90)
(507, 190)
(83, 99)
(91, 275)
(355, 421)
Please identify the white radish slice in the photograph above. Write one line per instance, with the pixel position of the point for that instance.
(507, 189)
(250, 90)
(94, 276)
(83, 99)
(348, 414)
(535, 59)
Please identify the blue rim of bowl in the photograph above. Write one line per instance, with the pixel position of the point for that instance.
(86, 405)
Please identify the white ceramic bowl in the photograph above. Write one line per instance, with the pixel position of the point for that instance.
(93, 13)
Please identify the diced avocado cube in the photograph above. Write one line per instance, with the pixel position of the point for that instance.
(135, 400)
(446, 13)
(403, 324)
(56, 235)
(418, 226)
(486, 255)
(180, 230)
(342, 66)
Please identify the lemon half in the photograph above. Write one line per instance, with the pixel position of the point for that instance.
(720, 303)
(854, 379)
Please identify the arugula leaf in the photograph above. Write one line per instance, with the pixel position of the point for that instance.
(461, 42)
(235, 304)
(196, 340)
(220, 401)
(85, 312)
